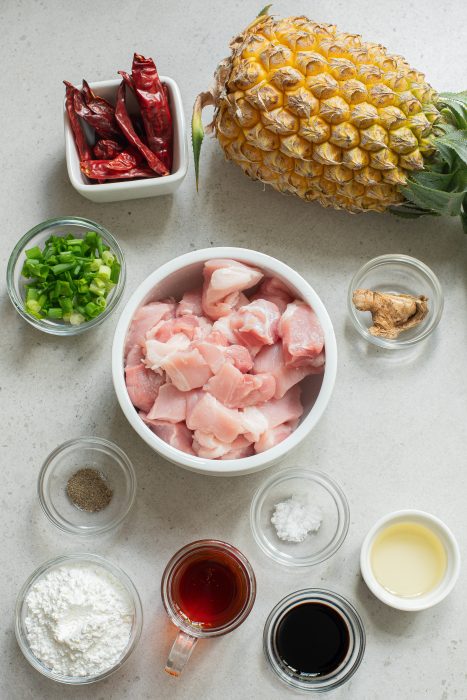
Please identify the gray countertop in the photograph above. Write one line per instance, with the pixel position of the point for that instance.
(393, 434)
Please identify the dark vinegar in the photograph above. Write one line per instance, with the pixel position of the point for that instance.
(210, 589)
(312, 639)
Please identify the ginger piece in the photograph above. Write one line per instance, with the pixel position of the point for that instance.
(392, 313)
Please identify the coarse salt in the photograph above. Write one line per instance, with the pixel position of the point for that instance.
(295, 518)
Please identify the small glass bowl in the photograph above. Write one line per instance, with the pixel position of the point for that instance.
(37, 237)
(96, 453)
(397, 274)
(321, 491)
(22, 611)
(353, 659)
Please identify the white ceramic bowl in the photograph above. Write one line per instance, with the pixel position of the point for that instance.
(131, 189)
(452, 554)
(184, 273)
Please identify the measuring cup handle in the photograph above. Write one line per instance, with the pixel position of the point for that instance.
(180, 653)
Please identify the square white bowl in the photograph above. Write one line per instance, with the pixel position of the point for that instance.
(131, 189)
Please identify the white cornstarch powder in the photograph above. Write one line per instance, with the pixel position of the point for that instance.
(295, 518)
(79, 619)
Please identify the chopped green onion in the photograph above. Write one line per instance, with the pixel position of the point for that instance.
(104, 272)
(34, 253)
(76, 319)
(55, 313)
(70, 278)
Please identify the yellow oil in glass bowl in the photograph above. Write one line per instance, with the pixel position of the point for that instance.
(408, 559)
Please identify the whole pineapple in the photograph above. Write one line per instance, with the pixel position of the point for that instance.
(326, 116)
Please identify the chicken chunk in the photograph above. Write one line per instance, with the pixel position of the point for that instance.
(145, 318)
(272, 289)
(175, 434)
(237, 390)
(143, 386)
(224, 279)
(301, 333)
(170, 405)
(256, 324)
(278, 411)
(187, 369)
(210, 416)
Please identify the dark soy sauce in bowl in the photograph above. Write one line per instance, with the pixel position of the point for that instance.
(312, 640)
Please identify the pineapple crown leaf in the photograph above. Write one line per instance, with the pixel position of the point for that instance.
(197, 128)
(441, 188)
(264, 11)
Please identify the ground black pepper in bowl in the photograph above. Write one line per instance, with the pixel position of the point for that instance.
(88, 490)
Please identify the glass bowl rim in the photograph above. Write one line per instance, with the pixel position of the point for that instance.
(407, 261)
(352, 616)
(120, 576)
(47, 465)
(56, 328)
(335, 491)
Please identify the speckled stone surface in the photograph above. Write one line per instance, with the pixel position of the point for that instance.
(393, 435)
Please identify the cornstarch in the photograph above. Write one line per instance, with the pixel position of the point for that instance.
(79, 619)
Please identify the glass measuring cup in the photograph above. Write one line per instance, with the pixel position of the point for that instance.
(208, 589)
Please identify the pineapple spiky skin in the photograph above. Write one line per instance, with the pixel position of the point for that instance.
(322, 114)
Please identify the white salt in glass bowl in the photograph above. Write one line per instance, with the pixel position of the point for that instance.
(173, 279)
(21, 613)
(120, 190)
(308, 486)
(445, 586)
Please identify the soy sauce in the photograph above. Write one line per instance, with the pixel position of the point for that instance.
(312, 639)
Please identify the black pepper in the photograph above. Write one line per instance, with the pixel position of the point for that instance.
(88, 490)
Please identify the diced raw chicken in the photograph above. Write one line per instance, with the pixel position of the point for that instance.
(157, 352)
(242, 301)
(175, 434)
(271, 360)
(192, 398)
(170, 405)
(237, 390)
(257, 324)
(191, 303)
(135, 356)
(165, 330)
(217, 355)
(223, 327)
(204, 328)
(272, 289)
(278, 411)
(143, 386)
(206, 445)
(187, 369)
(210, 416)
(240, 357)
(223, 364)
(254, 423)
(301, 333)
(273, 437)
(145, 318)
(224, 279)
(212, 354)
(241, 447)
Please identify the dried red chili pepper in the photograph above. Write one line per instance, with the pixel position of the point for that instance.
(82, 146)
(98, 169)
(129, 132)
(97, 105)
(154, 105)
(104, 126)
(106, 149)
